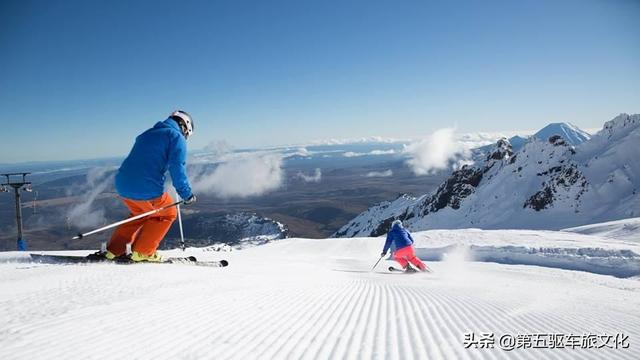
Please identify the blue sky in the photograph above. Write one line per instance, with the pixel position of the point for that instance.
(80, 79)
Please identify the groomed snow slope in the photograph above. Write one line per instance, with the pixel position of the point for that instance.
(301, 298)
(626, 229)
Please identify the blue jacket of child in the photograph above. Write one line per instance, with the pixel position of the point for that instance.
(399, 236)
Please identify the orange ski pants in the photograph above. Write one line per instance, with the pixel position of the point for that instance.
(407, 255)
(144, 234)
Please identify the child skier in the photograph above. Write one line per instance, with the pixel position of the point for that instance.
(404, 253)
(140, 183)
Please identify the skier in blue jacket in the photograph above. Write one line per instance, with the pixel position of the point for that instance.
(404, 253)
(140, 183)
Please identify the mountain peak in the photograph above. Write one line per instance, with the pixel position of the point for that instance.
(620, 122)
(572, 134)
(501, 149)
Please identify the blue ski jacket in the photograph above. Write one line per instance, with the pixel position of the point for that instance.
(399, 236)
(142, 174)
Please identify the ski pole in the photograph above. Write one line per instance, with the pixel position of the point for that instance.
(80, 236)
(180, 224)
(374, 266)
(428, 268)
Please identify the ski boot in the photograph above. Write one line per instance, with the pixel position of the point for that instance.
(99, 255)
(409, 269)
(102, 254)
(139, 257)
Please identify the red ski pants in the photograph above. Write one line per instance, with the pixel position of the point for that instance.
(407, 255)
(145, 234)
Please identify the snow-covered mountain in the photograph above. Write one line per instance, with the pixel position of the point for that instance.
(569, 132)
(625, 229)
(238, 230)
(548, 184)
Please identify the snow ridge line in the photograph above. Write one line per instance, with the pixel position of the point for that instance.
(619, 263)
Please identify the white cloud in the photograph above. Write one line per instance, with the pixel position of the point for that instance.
(385, 173)
(301, 151)
(361, 140)
(460, 163)
(215, 151)
(83, 215)
(251, 174)
(316, 177)
(353, 154)
(435, 152)
(470, 140)
(218, 147)
(383, 152)
(478, 139)
(372, 152)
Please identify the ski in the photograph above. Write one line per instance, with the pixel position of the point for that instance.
(67, 259)
(396, 270)
(92, 258)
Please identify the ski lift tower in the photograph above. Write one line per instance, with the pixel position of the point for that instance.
(17, 186)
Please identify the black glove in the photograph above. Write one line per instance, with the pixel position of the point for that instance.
(383, 254)
(190, 200)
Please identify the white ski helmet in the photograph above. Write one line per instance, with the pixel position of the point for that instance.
(185, 122)
(396, 222)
